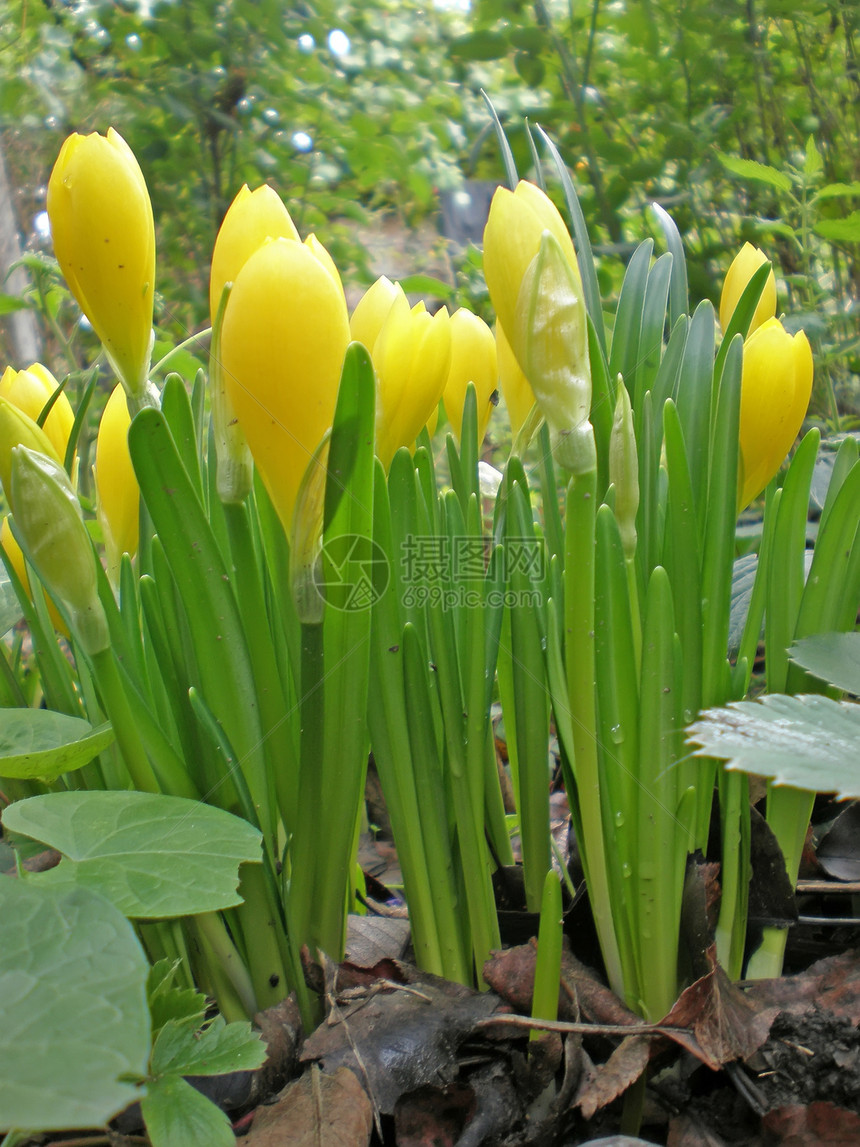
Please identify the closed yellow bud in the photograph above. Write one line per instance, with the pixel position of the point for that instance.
(252, 218)
(473, 359)
(412, 356)
(320, 253)
(516, 389)
(744, 266)
(18, 429)
(283, 341)
(30, 390)
(118, 494)
(372, 310)
(776, 387)
(104, 240)
(511, 241)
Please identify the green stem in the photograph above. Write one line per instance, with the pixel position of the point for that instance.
(118, 710)
(229, 976)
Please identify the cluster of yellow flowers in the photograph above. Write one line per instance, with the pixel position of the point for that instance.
(285, 329)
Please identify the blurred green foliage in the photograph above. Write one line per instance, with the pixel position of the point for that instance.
(358, 111)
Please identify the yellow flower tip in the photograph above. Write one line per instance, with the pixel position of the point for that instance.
(372, 309)
(104, 240)
(512, 238)
(776, 387)
(515, 387)
(744, 266)
(16, 557)
(283, 341)
(412, 357)
(473, 359)
(18, 429)
(30, 390)
(118, 494)
(320, 253)
(252, 218)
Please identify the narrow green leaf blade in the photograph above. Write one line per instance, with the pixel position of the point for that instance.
(72, 1008)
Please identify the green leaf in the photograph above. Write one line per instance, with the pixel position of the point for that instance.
(72, 1008)
(10, 610)
(845, 230)
(150, 855)
(812, 164)
(481, 45)
(759, 172)
(808, 742)
(43, 744)
(182, 1048)
(10, 303)
(167, 1002)
(834, 657)
(837, 191)
(176, 1115)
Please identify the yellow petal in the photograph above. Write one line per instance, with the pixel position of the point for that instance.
(516, 390)
(320, 253)
(252, 218)
(775, 391)
(116, 483)
(473, 359)
(30, 390)
(104, 240)
(18, 429)
(283, 342)
(16, 557)
(372, 310)
(511, 240)
(744, 266)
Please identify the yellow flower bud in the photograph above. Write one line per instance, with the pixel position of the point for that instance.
(283, 341)
(18, 429)
(776, 386)
(473, 359)
(744, 266)
(412, 356)
(516, 390)
(550, 340)
(252, 218)
(118, 494)
(16, 557)
(104, 240)
(320, 253)
(30, 390)
(511, 240)
(372, 310)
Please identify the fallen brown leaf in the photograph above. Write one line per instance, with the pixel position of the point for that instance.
(315, 1110)
(803, 1126)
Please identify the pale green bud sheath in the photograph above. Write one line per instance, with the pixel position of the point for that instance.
(235, 464)
(48, 516)
(624, 470)
(550, 341)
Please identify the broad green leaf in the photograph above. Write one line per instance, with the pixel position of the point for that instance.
(481, 45)
(845, 230)
(834, 657)
(182, 1048)
(812, 164)
(10, 303)
(759, 172)
(150, 855)
(837, 191)
(808, 742)
(167, 1002)
(176, 1115)
(44, 744)
(72, 1008)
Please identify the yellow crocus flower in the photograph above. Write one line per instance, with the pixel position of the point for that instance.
(744, 266)
(104, 240)
(516, 390)
(776, 387)
(118, 494)
(16, 557)
(252, 218)
(473, 359)
(412, 356)
(512, 239)
(371, 311)
(18, 429)
(29, 390)
(283, 341)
